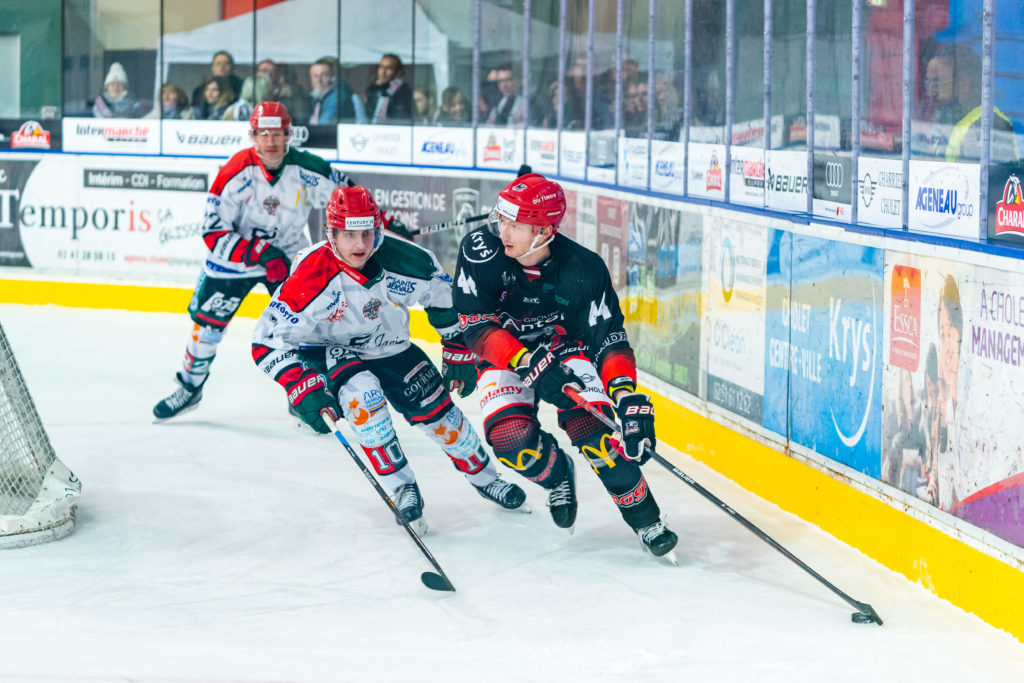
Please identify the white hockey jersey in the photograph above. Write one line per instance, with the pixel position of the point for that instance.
(324, 302)
(246, 202)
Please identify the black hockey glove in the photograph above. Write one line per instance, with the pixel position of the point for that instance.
(636, 415)
(458, 366)
(263, 253)
(547, 376)
(309, 396)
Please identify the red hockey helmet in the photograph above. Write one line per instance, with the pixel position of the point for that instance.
(353, 208)
(532, 199)
(270, 116)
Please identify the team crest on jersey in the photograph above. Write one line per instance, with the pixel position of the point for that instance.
(270, 204)
(372, 309)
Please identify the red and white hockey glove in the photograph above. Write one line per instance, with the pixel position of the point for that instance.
(263, 253)
(309, 396)
(636, 416)
(458, 366)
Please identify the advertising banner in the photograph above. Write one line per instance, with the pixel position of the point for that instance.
(633, 162)
(944, 198)
(880, 192)
(787, 181)
(573, 148)
(14, 174)
(824, 344)
(663, 297)
(956, 365)
(833, 187)
(205, 138)
(114, 217)
(1006, 203)
(499, 148)
(734, 326)
(542, 150)
(611, 237)
(112, 136)
(747, 183)
(375, 144)
(706, 166)
(667, 160)
(442, 146)
(602, 156)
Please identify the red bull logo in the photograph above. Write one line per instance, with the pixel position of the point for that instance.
(1010, 209)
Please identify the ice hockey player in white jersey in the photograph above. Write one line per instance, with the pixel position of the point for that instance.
(336, 337)
(254, 225)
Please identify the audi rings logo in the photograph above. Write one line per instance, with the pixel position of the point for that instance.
(834, 174)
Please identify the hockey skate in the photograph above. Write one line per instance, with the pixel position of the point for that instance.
(410, 505)
(659, 541)
(505, 494)
(185, 398)
(562, 499)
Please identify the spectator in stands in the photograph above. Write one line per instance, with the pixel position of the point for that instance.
(331, 99)
(454, 111)
(173, 104)
(254, 90)
(668, 108)
(489, 94)
(511, 108)
(426, 106)
(114, 102)
(283, 90)
(634, 108)
(389, 98)
(223, 66)
(217, 99)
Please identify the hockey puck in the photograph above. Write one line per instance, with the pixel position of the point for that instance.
(862, 618)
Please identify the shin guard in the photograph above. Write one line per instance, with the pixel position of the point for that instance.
(457, 438)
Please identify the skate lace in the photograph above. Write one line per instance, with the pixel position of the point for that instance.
(649, 533)
(499, 488)
(179, 398)
(408, 498)
(560, 495)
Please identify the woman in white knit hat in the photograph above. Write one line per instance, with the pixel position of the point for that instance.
(114, 101)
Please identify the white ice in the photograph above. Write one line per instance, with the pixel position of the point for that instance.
(227, 545)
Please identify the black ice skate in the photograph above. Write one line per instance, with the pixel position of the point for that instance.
(185, 398)
(410, 505)
(659, 541)
(562, 499)
(504, 493)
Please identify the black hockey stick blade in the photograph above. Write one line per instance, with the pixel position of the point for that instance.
(437, 582)
(866, 613)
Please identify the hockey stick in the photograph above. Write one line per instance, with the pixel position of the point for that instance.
(438, 581)
(866, 614)
(448, 225)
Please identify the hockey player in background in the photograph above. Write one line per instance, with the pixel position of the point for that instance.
(540, 312)
(350, 296)
(255, 223)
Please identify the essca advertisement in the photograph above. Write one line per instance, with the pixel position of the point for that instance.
(944, 198)
(437, 146)
(375, 144)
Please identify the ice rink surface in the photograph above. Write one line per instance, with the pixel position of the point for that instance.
(227, 545)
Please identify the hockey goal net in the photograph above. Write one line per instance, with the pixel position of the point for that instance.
(38, 492)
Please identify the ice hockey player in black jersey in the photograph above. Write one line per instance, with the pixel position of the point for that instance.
(336, 337)
(540, 312)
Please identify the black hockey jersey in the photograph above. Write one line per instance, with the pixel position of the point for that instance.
(503, 309)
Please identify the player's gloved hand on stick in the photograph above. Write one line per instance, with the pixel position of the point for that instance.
(547, 375)
(396, 226)
(262, 252)
(458, 366)
(309, 396)
(636, 416)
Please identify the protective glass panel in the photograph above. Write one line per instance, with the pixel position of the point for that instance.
(501, 64)
(789, 71)
(748, 107)
(30, 78)
(544, 64)
(444, 65)
(377, 59)
(708, 118)
(669, 67)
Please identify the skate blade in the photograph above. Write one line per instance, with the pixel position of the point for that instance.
(419, 526)
(158, 420)
(523, 509)
(669, 559)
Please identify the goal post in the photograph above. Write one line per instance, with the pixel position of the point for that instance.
(38, 493)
